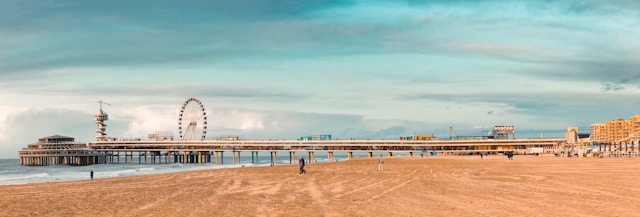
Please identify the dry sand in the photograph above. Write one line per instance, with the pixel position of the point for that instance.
(434, 186)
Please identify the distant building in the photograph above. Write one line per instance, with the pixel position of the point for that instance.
(571, 135)
(616, 131)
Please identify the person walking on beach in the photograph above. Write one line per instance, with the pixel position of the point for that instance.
(380, 162)
(301, 163)
(91, 173)
(481, 156)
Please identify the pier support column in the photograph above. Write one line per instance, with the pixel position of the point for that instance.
(389, 154)
(199, 157)
(349, 155)
(184, 161)
(369, 154)
(291, 157)
(233, 157)
(410, 154)
(330, 156)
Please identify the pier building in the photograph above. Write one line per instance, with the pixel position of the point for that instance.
(59, 150)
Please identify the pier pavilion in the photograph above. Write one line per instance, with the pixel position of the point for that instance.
(59, 150)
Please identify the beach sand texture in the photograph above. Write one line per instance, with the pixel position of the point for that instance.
(434, 186)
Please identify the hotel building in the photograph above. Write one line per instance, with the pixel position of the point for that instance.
(617, 131)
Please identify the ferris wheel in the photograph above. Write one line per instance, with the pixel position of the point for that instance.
(192, 122)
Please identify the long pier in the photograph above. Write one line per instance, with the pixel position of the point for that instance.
(212, 151)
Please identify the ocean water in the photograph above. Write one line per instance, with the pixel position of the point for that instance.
(11, 172)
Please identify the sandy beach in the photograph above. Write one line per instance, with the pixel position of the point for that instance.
(434, 186)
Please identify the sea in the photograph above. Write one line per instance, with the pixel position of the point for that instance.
(11, 172)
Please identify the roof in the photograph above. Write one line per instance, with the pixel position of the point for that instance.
(57, 137)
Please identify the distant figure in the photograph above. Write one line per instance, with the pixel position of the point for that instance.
(301, 163)
(510, 155)
(481, 156)
(91, 173)
(380, 162)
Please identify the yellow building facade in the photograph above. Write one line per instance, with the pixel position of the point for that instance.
(616, 131)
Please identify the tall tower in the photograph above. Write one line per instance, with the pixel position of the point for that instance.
(100, 118)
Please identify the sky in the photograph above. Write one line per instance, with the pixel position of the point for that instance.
(281, 69)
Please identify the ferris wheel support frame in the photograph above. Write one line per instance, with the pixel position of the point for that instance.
(204, 115)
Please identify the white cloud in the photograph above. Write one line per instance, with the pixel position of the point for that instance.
(22, 128)
(5, 113)
(143, 120)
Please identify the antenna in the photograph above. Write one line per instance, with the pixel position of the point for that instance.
(102, 102)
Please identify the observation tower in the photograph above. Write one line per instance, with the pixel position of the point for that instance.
(100, 118)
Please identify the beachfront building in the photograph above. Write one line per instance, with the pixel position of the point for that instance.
(597, 132)
(617, 131)
(571, 135)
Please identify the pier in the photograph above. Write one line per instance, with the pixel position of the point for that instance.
(58, 150)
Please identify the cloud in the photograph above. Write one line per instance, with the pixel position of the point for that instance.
(612, 87)
(25, 127)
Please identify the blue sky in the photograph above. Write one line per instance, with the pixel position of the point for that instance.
(284, 69)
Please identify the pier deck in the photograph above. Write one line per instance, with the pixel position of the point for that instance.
(99, 152)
